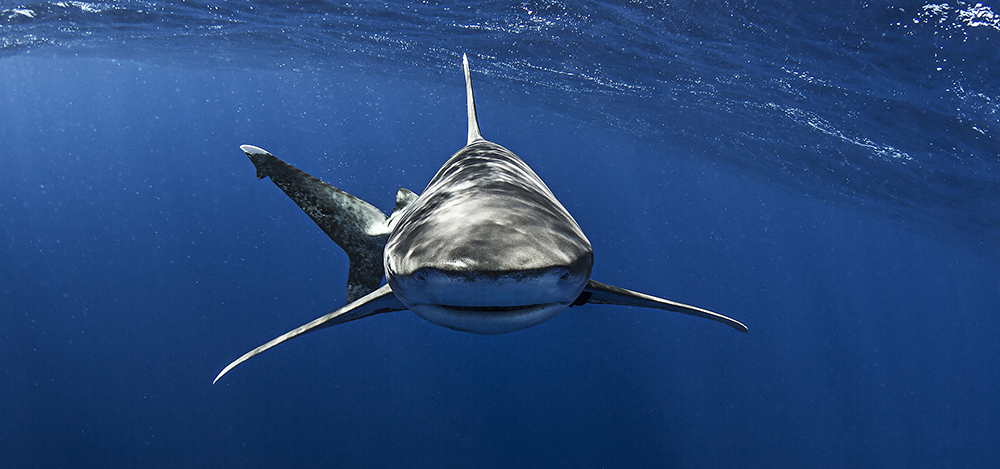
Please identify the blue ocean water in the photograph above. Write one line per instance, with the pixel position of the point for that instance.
(827, 173)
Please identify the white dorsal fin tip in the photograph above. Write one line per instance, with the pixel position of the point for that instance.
(252, 150)
(471, 101)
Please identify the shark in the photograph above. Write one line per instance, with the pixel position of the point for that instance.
(486, 248)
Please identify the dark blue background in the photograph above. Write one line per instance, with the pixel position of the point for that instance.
(140, 256)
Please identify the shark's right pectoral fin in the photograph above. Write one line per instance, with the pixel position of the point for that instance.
(379, 301)
(356, 226)
(600, 293)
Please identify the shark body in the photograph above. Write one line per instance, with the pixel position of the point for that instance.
(486, 248)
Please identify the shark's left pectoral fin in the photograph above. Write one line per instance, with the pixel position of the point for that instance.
(382, 300)
(604, 294)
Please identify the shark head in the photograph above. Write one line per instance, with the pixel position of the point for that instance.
(487, 248)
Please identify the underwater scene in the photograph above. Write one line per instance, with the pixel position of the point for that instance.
(825, 173)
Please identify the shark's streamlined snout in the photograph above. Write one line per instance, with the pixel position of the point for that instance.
(486, 248)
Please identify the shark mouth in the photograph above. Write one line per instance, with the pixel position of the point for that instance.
(489, 309)
(487, 302)
(497, 319)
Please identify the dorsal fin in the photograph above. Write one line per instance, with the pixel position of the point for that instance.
(473, 120)
(355, 225)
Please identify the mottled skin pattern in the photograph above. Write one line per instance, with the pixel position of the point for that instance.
(347, 220)
(487, 212)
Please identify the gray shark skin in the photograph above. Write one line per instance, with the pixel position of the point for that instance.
(486, 248)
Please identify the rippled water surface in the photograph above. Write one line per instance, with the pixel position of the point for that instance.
(889, 108)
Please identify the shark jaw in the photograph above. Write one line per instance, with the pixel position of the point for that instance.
(488, 303)
(488, 320)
